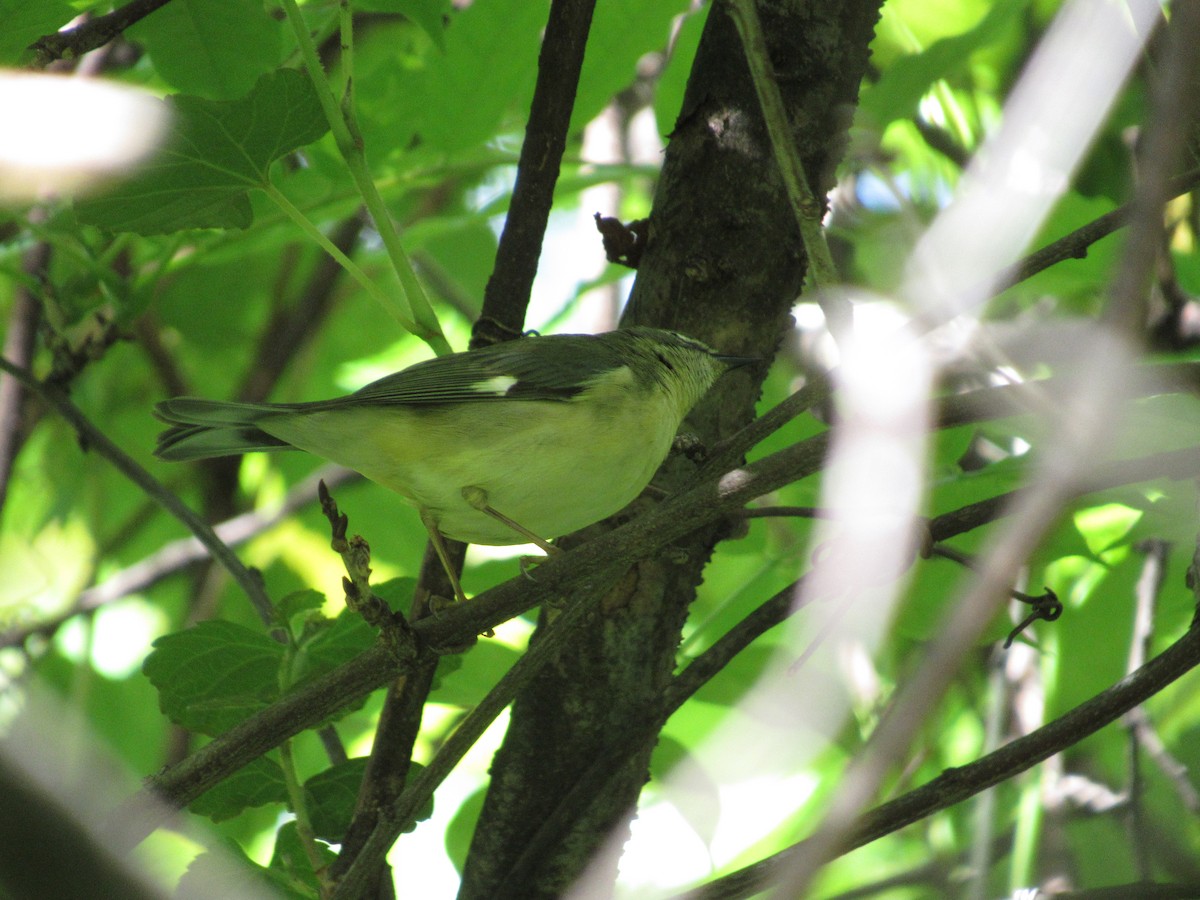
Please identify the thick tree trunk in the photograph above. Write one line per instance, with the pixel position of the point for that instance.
(723, 263)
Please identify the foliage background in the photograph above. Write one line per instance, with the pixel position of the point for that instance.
(133, 299)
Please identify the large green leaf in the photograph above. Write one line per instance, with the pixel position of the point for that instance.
(292, 860)
(214, 675)
(216, 151)
(451, 102)
(229, 874)
(326, 644)
(622, 32)
(211, 48)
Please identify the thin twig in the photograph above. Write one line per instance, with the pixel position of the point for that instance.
(75, 42)
(805, 206)
(956, 785)
(93, 438)
(178, 555)
(412, 309)
(776, 609)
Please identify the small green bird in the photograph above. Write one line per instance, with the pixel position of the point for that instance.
(508, 444)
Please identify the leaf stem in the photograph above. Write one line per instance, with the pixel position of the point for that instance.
(417, 316)
(308, 840)
(399, 313)
(805, 206)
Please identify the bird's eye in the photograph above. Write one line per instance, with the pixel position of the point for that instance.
(666, 362)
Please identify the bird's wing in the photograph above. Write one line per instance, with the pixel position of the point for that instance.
(542, 368)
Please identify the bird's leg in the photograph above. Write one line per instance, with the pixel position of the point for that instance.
(439, 547)
(478, 498)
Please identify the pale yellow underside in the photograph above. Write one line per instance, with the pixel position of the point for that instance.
(551, 466)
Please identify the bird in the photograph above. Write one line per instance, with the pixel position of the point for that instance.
(513, 443)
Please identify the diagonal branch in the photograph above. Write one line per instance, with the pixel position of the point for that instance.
(956, 785)
(93, 438)
(75, 42)
(1075, 244)
(178, 555)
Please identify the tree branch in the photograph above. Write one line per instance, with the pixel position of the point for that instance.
(507, 293)
(574, 571)
(1075, 244)
(75, 42)
(956, 785)
(178, 555)
(393, 820)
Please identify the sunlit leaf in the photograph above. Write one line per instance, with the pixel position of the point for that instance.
(230, 873)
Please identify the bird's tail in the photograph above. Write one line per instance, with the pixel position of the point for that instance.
(202, 429)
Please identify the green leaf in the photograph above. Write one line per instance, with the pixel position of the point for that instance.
(461, 829)
(669, 93)
(290, 858)
(395, 592)
(463, 679)
(736, 677)
(455, 101)
(255, 784)
(214, 675)
(622, 32)
(298, 603)
(215, 152)
(1106, 525)
(326, 644)
(211, 48)
(25, 22)
(330, 797)
(906, 81)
